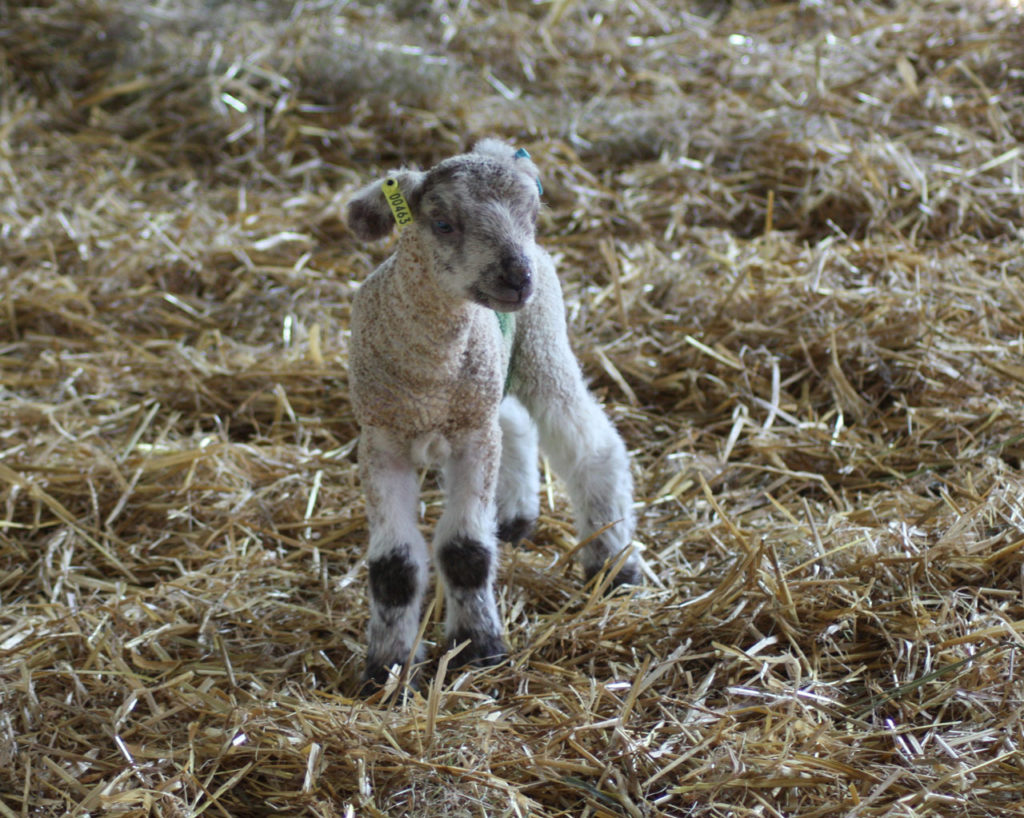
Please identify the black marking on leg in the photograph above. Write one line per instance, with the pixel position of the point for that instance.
(393, 579)
(465, 562)
(516, 530)
(483, 650)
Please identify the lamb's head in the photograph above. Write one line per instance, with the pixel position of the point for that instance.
(475, 214)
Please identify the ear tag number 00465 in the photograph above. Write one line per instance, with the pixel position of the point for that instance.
(396, 201)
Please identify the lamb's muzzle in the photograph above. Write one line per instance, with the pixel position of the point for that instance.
(510, 285)
(429, 372)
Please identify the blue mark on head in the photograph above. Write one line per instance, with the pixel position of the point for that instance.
(523, 153)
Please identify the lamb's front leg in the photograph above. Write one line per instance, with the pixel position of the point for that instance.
(397, 558)
(465, 548)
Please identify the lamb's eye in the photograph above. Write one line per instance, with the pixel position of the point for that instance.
(442, 226)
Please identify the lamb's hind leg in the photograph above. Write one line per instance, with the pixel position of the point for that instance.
(397, 556)
(519, 479)
(586, 451)
(580, 441)
(466, 549)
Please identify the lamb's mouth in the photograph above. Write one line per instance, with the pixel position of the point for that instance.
(500, 303)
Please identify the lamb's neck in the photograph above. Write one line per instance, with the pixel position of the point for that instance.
(443, 321)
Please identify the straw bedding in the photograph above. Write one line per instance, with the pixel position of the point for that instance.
(790, 240)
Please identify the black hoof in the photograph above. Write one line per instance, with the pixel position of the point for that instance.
(482, 650)
(375, 679)
(516, 530)
(627, 575)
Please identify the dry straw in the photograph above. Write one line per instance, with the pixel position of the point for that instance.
(790, 237)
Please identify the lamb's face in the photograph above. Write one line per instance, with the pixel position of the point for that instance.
(479, 217)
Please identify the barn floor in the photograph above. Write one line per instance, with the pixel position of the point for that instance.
(790, 236)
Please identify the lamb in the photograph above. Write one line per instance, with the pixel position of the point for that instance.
(459, 357)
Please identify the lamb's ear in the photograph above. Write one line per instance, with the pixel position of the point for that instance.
(369, 215)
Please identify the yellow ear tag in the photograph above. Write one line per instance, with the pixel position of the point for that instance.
(396, 201)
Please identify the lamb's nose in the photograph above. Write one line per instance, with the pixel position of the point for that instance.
(516, 273)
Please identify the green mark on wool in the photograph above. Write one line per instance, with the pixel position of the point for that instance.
(507, 325)
(507, 322)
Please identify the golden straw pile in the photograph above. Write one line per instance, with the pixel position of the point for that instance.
(790, 239)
